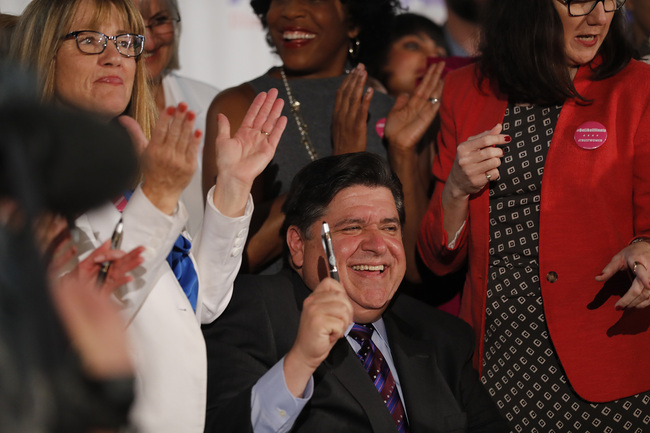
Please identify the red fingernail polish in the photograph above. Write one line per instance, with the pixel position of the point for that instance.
(182, 107)
(507, 138)
(191, 116)
(171, 111)
(198, 133)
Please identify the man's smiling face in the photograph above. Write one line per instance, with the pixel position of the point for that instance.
(367, 241)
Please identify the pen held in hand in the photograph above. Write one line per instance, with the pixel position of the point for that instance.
(326, 237)
(116, 242)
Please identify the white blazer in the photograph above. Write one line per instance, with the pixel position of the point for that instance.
(168, 347)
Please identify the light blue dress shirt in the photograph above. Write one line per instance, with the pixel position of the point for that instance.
(274, 409)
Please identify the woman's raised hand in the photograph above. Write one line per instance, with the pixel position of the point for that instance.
(242, 157)
(410, 117)
(349, 121)
(169, 159)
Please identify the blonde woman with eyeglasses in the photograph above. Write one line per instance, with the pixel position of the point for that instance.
(88, 54)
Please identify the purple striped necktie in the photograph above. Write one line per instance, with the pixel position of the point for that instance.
(377, 367)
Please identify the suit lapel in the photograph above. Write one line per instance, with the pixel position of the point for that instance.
(347, 369)
(425, 391)
(343, 364)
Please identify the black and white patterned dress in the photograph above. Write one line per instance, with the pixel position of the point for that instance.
(521, 370)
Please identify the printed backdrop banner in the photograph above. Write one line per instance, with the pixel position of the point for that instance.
(222, 41)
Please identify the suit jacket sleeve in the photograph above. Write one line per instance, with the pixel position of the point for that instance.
(242, 346)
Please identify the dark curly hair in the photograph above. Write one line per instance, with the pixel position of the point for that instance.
(522, 52)
(373, 17)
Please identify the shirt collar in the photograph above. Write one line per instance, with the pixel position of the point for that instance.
(380, 329)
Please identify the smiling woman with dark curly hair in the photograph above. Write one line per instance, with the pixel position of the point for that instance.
(317, 41)
(372, 17)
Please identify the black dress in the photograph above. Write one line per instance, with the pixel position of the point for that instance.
(521, 370)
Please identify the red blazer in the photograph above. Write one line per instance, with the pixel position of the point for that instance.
(593, 203)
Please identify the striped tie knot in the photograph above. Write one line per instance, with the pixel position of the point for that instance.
(362, 334)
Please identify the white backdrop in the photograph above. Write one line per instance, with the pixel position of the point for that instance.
(222, 42)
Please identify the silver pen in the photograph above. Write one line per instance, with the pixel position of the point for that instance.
(116, 242)
(326, 237)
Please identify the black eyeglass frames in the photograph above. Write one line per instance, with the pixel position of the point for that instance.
(580, 8)
(93, 42)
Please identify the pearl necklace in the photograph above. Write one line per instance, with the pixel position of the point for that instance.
(300, 123)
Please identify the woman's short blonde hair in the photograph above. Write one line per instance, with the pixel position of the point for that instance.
(39, 35)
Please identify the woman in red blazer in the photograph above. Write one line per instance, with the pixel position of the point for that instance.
(558, 283)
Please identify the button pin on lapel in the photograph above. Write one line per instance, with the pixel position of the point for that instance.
(590, 135)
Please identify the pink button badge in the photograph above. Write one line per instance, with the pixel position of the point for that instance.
(380, 126)
(590, 135)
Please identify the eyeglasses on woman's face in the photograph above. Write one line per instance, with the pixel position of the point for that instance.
(579, 8)
(162, 23)
(93, 42)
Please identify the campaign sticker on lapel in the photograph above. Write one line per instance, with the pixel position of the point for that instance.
(590, 135)
(380, 126)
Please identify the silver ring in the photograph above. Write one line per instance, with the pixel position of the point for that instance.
(434, 100)
(635, 265)
(488, 177)
(265, 133)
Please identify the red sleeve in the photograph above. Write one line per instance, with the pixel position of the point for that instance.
(433, 239)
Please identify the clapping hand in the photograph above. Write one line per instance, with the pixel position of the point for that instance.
(169, 159)
(242, 157)
(349, 122)
(410, 116)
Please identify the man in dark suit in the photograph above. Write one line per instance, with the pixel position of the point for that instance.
(289, 352)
